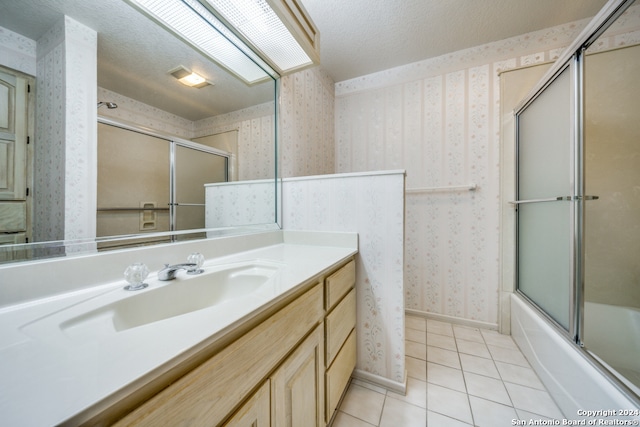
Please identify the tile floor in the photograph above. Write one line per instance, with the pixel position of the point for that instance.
(458, 376)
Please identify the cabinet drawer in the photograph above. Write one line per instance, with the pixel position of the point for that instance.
(339, 373)
(339, 284)
(339, 324)
(205, 395)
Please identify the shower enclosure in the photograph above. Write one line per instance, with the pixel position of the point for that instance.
(151, 183)
(578, 195)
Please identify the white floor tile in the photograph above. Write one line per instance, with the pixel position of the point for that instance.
(438, 420)
(416, 393)
(398, 413)
(415, 322)
(445, 376)
(346, 420)
(443, 357)
(469, 334)
(479, 365)
(487, 388)
(533, 400)
(491, 414)
(525, 415)
(507, 355)
(416, 350)
(474, 348)
(363, 404)
(498, 339)
(457, 376)
(438, 327)
(415, 335)
(519, 375)
(449, 402)
(370, 386)
(442, 341)
(416, 368)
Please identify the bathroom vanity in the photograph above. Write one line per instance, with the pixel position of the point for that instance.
(282, 350)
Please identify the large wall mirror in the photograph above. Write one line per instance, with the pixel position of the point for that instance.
(115, 139)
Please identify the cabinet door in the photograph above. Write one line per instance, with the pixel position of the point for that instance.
(256, 412)
(298, 386)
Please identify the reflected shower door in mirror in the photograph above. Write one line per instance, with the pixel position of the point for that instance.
(612, 222)
(193, 168)
(77, 55)
(149, 184)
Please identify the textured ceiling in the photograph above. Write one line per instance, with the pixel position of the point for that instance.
(135, 55)
(359, 37)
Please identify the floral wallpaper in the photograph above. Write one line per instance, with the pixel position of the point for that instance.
(240, 203)
(65, 149)
(17, 52)
(371, 204)
(256, 138)
(439, 119)
(306, 123)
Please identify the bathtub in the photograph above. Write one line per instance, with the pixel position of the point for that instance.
(571, 378)
(613, 334)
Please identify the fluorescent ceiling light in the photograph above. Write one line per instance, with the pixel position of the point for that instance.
(196, 25)
(260, 25)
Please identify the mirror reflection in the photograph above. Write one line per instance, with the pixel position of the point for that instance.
(67, 65)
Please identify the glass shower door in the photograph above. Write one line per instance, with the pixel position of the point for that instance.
(193, 169)
(544, 194)
(612, 222)
(133, 183)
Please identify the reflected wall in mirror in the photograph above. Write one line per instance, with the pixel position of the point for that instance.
(58, 60)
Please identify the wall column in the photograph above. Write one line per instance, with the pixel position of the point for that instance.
(66, 136)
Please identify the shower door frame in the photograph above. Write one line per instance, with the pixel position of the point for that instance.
(573, 198)
(572, 57)
(173, 142)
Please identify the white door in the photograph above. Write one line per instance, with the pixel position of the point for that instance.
(13, 158)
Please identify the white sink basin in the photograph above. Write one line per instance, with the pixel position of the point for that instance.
(162, 300)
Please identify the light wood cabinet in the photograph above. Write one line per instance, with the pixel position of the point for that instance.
(340, 334)
(273, 375)
(339, 373)
(298, 386)
(256, 412)
(339, 283)
(339, 324)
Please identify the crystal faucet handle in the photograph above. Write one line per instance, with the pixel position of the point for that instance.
(135, 275)
(197, 259)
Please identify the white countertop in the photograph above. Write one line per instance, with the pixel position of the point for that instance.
(48, 377)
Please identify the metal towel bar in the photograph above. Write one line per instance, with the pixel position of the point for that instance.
(554, 199)
(469, 187)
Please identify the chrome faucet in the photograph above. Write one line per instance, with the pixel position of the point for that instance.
(169, 271)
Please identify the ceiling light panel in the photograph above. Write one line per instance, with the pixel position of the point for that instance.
(258, 23)
(197, 26)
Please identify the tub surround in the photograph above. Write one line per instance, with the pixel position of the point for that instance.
(572, 380)
(46, 369)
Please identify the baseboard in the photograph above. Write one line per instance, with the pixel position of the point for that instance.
(398, 387)
(453, 319)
